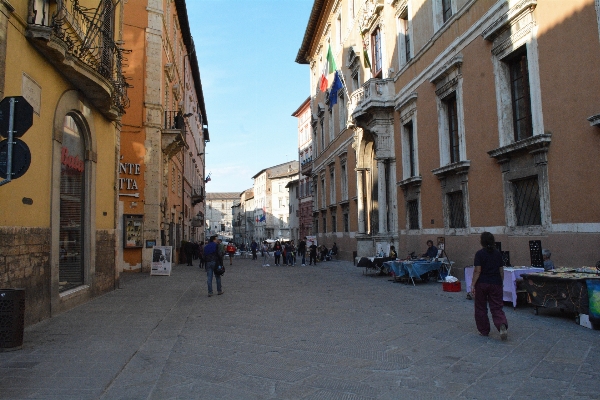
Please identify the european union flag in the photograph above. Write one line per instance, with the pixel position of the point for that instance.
(335, 87)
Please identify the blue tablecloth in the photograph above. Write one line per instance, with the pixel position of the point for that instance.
(413, 269)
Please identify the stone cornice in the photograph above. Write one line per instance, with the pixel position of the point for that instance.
(461, 167)
(531, 144)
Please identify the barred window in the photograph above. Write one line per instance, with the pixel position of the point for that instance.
(346, 223)
(413, 214)
(452, 116)
(527, 201)
(324, 223)
(333, 223)
(456, 210)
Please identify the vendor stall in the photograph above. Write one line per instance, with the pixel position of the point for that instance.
(413, 269)
(563, 288)
(511, 275)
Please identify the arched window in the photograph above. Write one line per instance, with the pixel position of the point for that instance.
(72, 200)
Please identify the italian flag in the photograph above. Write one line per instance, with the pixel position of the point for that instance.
(328, 68)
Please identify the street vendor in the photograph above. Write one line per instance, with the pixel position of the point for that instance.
(431, 250)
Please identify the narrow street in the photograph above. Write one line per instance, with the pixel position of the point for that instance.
(325, 332)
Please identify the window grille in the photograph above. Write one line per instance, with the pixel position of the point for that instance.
(521, 99)
(346, 223)
(456, 210)
(527, 202)
(413, 214)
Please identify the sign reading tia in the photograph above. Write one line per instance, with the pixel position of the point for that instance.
(129, 182)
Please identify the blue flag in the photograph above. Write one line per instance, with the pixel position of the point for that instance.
(335, 87)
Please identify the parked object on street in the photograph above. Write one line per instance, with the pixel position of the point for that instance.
(12, 318)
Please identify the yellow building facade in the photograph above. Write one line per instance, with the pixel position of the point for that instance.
(58, 224)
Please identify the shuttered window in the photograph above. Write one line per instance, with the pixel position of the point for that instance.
(72, 173)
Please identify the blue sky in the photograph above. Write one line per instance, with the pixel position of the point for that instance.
(246, 52)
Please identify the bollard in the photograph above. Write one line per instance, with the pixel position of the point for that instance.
(12, 318)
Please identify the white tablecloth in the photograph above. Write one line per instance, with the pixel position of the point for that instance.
(511, 274)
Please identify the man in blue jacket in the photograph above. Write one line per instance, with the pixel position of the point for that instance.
(212, 258)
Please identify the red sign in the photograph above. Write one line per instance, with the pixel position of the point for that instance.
(72, 162)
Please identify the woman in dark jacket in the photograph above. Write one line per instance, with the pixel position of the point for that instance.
(487, 286)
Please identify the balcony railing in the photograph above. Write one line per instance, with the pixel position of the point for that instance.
(173, 133)
(197, 195)
(79, 41)
(374, 93)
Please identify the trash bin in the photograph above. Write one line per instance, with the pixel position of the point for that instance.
(12, 318)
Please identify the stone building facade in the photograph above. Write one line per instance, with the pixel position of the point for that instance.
(58, 228)
(460, 122)
(162, 163)
(219, 213)
(305, 156)
(271, 201)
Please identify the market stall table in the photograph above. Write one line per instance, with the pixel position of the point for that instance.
(563, 288)
(412, 269)
(509, 286)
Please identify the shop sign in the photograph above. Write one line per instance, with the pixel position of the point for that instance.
(131, 171)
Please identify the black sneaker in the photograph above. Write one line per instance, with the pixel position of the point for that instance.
(210, 295)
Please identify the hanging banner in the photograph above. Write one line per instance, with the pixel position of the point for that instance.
(161, 260)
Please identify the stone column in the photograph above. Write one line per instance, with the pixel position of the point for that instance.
(360, 173)
(393, 225)
(382, 198)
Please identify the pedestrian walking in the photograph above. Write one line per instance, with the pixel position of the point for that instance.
(189, 252)
(265, 253)
(487, 286)
(201, 254)
(213, 259)
(312, 256)
(254, 247)
(230, 251)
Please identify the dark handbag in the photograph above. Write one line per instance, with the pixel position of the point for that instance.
(219, 270)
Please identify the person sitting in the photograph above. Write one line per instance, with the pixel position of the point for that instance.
(393, 254)
(432, 251)
(334, 249)
(323, 253)
(548, 263)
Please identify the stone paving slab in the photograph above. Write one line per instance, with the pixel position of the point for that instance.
(324, 332)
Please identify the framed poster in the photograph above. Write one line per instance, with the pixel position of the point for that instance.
(310, 240)
(161, 260)
(133, 228)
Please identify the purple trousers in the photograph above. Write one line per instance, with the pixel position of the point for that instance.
(486, 293)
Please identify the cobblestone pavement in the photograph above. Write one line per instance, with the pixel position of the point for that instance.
(324, 332)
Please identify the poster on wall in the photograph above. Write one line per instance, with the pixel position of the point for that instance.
(310, 240)
(161, 260)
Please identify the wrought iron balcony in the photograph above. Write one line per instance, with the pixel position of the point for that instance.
(198, 195)
(79, 42)
(306, 166)
(173, 133)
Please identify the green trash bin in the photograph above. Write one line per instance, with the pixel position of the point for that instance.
(12, 318)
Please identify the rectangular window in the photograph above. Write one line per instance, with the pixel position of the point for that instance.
(355, 82)
(344, 182)
(452, 116)
(456, 210)
(323, 192)
(527, 201)
(324, 223)
(342, 110)
(521, 99)
(376, 53)
(413, 214)
(333, 223)
(322, 135)
(410, 134)
(346, 222)
(446, 9)
(339, 31)
(331, 186)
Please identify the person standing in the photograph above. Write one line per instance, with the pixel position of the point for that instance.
(302, 250)
(230, 251)
(312, 256)
(487, 286)
(254, 247)
(213, 259)
(189, 252)
(277, 250)
(265, 253)
(201, 254)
